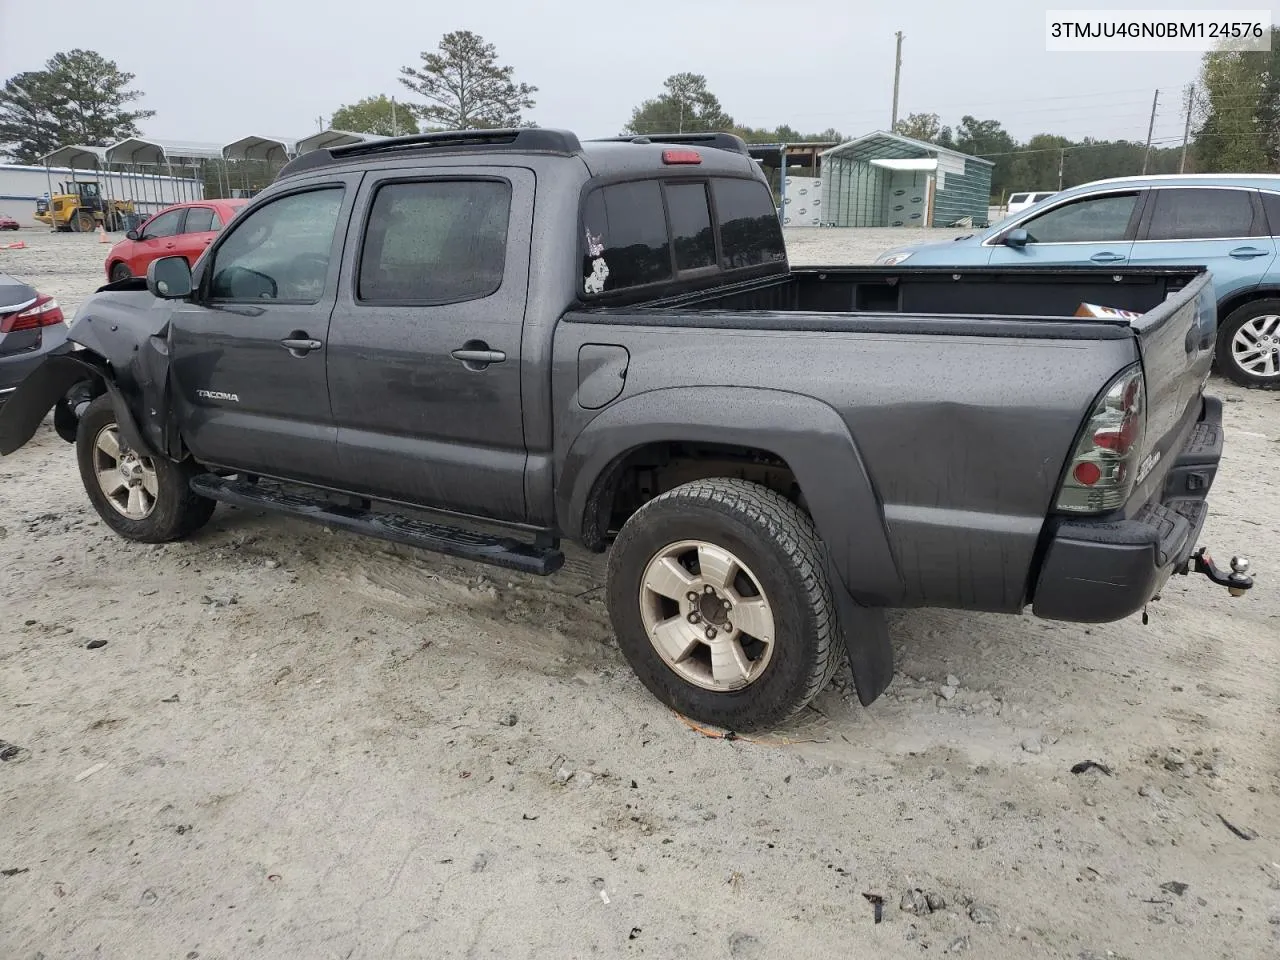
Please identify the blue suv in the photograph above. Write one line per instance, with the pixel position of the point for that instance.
(1227, 223)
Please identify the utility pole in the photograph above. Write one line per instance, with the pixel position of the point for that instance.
(1146, 154)
(1062, 162)
(681, 130)
(395, 127)
(897, 76)
(1186, 130)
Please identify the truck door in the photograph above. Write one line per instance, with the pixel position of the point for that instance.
(248, 351)
(424, 348)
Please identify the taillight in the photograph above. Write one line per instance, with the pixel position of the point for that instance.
(45, 312)
(681, 156)
(1102, 470)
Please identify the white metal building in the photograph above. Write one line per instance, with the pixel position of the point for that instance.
(21, 186)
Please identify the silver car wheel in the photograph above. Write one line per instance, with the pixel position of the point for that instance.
(1255, 348)
(126, 479)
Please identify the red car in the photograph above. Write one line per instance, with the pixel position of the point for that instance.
(184, 229)
(7, 222)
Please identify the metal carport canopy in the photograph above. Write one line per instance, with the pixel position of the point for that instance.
(333, 138)
(271, 149)
(76, 157)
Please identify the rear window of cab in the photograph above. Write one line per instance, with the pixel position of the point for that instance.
(651, 231)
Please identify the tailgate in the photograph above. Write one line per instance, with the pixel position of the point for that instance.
(1175, 341)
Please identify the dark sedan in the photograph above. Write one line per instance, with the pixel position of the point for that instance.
(31, 328)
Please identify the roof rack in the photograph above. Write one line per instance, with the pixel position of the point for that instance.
(717, 141)
(528, 140)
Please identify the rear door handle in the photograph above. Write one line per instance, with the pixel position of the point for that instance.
(299, 344)
(1106, 257)
(1247, 253)
(476, 355)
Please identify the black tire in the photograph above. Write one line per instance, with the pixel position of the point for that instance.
(120, 271)
(175, 513)
(779, 544)
(1225, 358)
(82, 223)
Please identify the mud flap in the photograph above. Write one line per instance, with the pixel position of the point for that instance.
(866, 639)
(22, 415)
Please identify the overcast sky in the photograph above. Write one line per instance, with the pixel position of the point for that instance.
(220, 70)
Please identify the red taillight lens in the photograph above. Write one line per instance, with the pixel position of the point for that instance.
(681, 156)
(1100, 477)
(45, 312)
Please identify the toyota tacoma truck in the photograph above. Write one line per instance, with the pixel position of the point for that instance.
(489, 343)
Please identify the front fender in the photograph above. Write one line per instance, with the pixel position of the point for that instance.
(808, 434)
(35, 396)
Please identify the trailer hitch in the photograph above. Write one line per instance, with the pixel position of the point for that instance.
(1236, 582)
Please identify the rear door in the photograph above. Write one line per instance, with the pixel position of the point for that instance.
(157, 239)
(424, 350)
(1222, 228)
(197, 233)
(1092, 229)
(247, 353)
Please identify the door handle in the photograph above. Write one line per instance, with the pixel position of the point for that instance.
(299, 344)
(1106, 257)
(1247, 253)
(476, 355)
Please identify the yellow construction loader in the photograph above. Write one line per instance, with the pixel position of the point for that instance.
(81, 207)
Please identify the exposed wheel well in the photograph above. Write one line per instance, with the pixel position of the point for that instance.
(1232, 304)
(641, 474)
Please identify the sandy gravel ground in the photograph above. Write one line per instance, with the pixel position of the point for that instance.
(300, 744)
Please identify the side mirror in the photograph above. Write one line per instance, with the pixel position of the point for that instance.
(1016, 238)
(133, 235)
(169, 278)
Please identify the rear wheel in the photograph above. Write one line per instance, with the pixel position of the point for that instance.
(120, 271)
(1248, 350)
(141, 498)
(720, 602)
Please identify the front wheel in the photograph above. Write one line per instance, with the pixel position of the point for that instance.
(120, 271)
(146, 499)
(721, 605)
(1248, 350)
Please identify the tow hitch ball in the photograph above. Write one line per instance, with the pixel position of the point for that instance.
(1236, 582)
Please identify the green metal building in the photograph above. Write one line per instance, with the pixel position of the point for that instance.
(887, 180)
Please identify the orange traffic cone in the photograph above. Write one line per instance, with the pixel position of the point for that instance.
(102, 234)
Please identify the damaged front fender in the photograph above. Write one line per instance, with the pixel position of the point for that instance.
(50, 382)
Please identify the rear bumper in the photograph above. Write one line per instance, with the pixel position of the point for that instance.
(1095, 571)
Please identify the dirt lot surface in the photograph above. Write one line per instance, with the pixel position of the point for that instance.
(300, 744)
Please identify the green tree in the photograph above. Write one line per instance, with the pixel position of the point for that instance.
(79, 97)
(28, 129)
(375, 115)
(924, 126)
(1239, 110)
(685, 106)
(465, 87)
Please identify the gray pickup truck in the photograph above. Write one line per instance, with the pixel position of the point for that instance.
(485, 343)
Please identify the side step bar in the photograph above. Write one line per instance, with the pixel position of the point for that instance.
(481, 547)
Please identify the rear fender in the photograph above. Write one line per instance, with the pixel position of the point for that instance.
(808, 434)
(36, 395)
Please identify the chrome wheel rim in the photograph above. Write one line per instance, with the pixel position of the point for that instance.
(707, 615)
(1255, 348)
(127, 480)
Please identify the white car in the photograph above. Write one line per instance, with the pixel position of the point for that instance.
(1020, 201)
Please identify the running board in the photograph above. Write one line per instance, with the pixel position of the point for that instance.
(481, 547)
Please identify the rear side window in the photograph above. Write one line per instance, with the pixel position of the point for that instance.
(1199, 214)
(626, 237)
(199, 220)
(435, 241)
(690, 216)
(749, 230)
(1041, 196)
(1271, 203)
